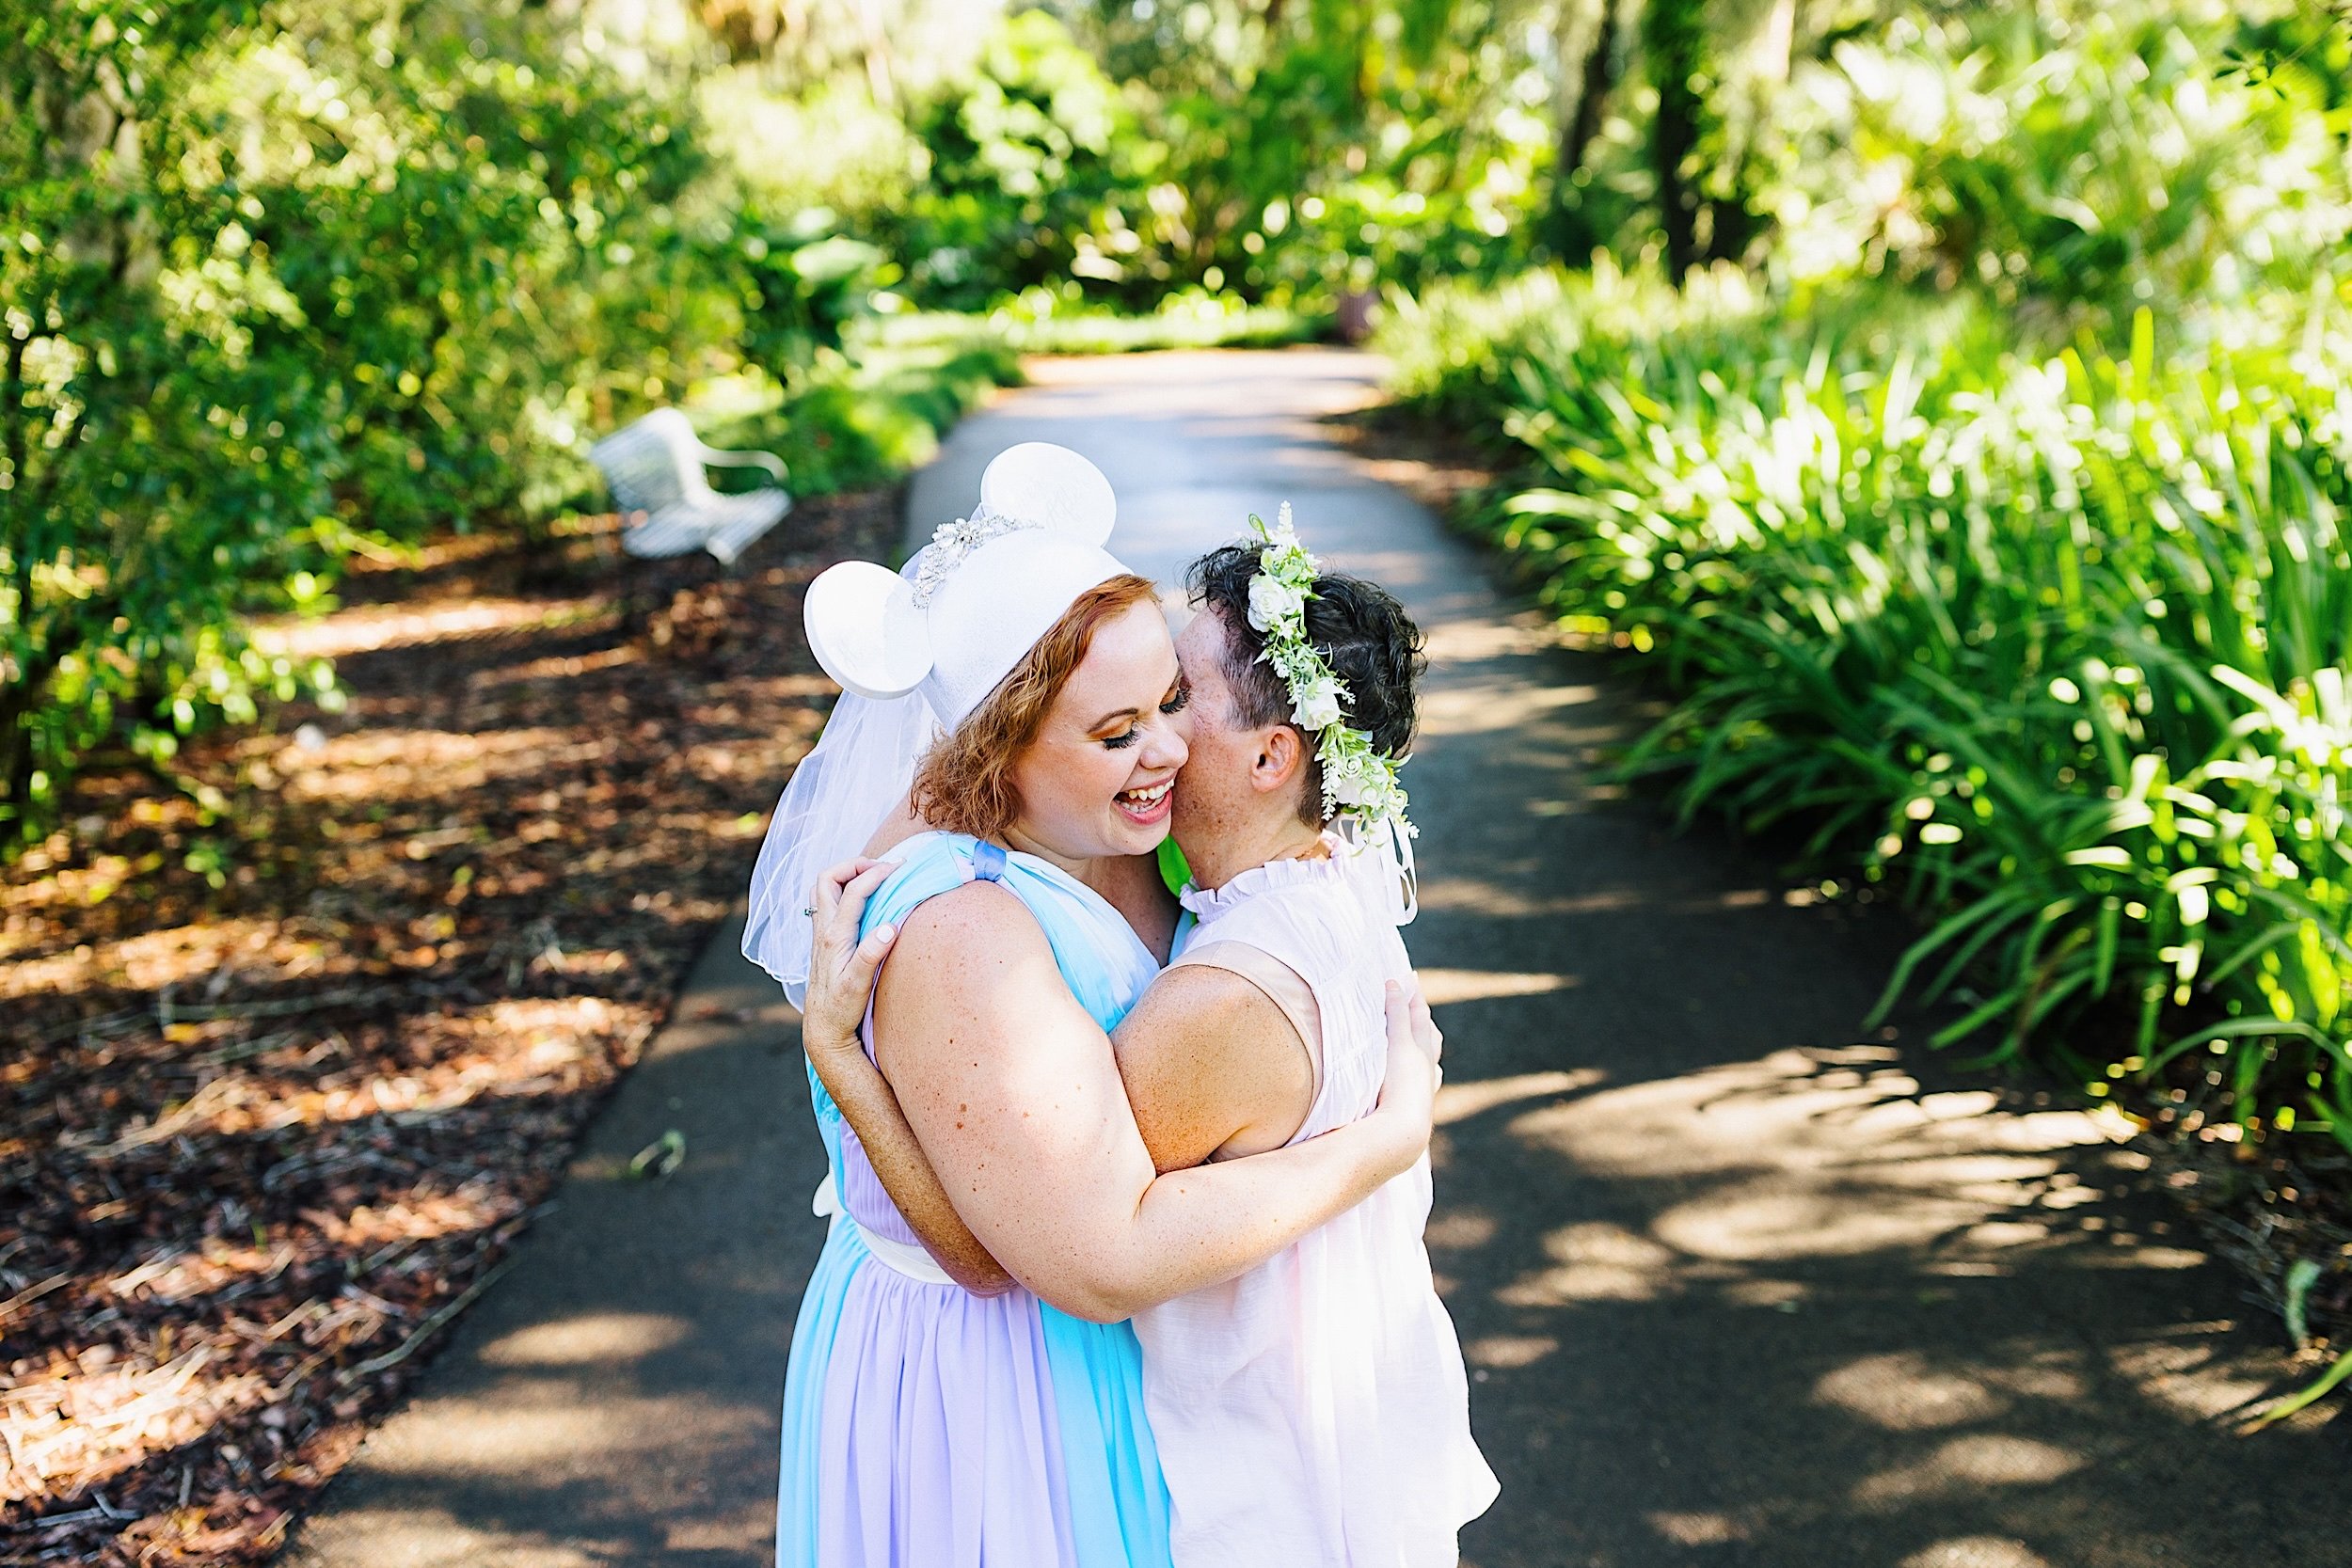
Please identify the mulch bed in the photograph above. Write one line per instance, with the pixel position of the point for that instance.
(296, 1053)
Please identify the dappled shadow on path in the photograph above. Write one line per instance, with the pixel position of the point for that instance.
(1741, 1286)
(616, 1404)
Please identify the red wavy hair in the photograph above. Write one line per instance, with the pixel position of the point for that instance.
(964, 784)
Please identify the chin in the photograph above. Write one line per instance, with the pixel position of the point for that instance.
(1131, 835)
(1136, 838)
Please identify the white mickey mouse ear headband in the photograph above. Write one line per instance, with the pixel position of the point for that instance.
(980, 596)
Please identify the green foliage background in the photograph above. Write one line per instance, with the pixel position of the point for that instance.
(1986, 512)
(285, 282)
(1949, 401)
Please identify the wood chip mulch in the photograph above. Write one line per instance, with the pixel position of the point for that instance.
(294, 1053)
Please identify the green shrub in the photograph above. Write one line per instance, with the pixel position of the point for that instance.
(865, 413)
(2054, 645)
(1030, 164)
(282, 283)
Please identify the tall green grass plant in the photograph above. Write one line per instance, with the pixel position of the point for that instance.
(2051, 644)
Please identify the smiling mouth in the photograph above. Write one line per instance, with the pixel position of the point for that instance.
(1146, 801)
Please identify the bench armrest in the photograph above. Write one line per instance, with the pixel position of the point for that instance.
(714, 458)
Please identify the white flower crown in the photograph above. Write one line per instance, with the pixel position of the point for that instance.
(1358, 781)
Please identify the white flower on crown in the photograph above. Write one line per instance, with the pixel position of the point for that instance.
(1273, 603)
(1358, 780)
(1345, 784)
(1315, 703)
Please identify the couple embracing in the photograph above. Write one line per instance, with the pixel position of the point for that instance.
(1127, 1139)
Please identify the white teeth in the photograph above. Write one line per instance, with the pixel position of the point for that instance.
(1150, 797)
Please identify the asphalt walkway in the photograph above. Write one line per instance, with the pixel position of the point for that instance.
(1739, 1285)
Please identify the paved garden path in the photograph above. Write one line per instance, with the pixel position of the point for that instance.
(1738, 1284)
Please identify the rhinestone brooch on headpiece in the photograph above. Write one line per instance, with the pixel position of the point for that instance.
(952, 541)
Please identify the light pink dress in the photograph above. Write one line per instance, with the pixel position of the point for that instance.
(1313, 1412)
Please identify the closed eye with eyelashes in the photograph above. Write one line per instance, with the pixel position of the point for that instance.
(1176, 701)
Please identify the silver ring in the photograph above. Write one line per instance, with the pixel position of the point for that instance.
(810, 912)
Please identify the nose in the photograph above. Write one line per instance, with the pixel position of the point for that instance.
(1165, 744)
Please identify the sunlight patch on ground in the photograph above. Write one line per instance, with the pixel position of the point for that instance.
(432, 1538)
(1470, 896)
(1811, 1111)
(2189, 1374)
(1762, 1290)
(1755, 1223)
(1503, 1352)
(382, 763)
(1443, 986)
(1489, 900)
(74, 1427)
(1903, 1392)
(1461, 1102)
(546, 1428)
(1459, 1229)
(2050, 1374)
(564, 667)
(788, 688)
(366, 629)
(746, 1534)
(154, 960)
(1961, 1465)
(567, 1037)
(1422, 478)
(1696, 1529)
(1595, 1261)
(1804, 1154)
(592, 1339)
(1466, 642)
(1976, 1551)
(1485, 710)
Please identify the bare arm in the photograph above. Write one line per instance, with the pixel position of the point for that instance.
(1012, 1090)
(1212, 1066)
(841, 977)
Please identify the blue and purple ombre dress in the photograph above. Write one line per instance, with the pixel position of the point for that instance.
(925, 1427)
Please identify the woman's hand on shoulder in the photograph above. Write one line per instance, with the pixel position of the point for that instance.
(1409, 1095)
(841, 966)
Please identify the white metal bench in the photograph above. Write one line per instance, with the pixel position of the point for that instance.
(655, 470)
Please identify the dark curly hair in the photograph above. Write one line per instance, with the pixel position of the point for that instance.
(1359, 628)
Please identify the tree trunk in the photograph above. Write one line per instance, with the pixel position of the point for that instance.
(1731, 223)
(1596, 81)
(1585, 88)
(20, 699)
(876, 38)
(1674, 37)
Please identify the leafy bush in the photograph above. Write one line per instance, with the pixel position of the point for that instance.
(1028, 164)
(865, 415)
(2052, 645)
(1046, 320)
(161, 447)
(2062, 160)
(282, 284)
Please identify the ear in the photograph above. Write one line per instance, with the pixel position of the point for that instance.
(866, 631)
(1051, 488)
(1282, 758)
